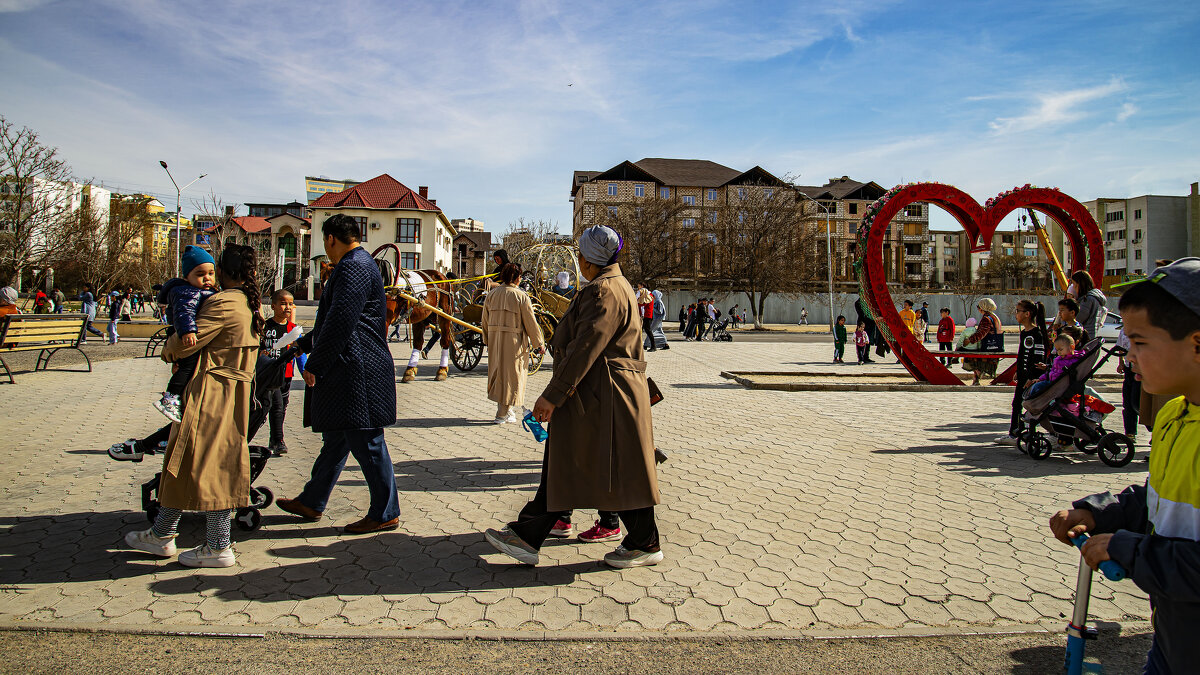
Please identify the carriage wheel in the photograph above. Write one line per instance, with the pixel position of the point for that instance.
(535, 361)
(467, 350)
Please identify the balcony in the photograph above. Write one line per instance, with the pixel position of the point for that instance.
(914, 238)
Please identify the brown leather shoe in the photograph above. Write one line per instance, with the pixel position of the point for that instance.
(367, 526)
(294, 507)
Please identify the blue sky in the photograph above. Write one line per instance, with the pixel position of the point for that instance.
(493, 105)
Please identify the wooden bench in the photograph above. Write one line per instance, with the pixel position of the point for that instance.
(46, 332)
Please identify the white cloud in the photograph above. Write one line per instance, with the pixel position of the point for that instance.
(21, 5)
(1127, 110)
(1056, 108)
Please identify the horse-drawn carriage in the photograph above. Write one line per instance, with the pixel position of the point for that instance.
(424, 298)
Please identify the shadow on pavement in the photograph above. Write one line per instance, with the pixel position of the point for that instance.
(436, 422)
(459, 474)
(392, 563)
(1117, 653)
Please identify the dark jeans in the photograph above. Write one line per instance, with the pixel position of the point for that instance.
(434, 336)
(864, 353)
(91, 329)
(1015, 423)
(646, 323)
(534, 522)
(1131, 401)
(608, 519)
(371, 453)
(946, 347)
(183, 374)
(151, 442)
(279, 401)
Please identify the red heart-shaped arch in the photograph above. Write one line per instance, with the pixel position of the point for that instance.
(1087, 251)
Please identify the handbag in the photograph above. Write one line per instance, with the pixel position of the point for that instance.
(656, 394)
(993, 341)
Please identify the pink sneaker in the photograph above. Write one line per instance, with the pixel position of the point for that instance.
(599, 533)
(562, 529)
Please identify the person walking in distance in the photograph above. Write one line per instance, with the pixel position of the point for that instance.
(945, 335)
(351, 383)
(839, 339)
(600, 449)
(87, 302)
(862, 343)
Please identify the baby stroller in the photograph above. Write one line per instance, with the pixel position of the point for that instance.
(1073, 414)
(268, 377)
(720, 332)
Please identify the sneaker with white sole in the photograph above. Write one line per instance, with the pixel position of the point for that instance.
(203, 556)
(599, 533)
(512, 418)
(500, 420)
(562, 529)
(625, 558)
(168, 405)
(508, 543)
(129, 451)
(147, 541)
(1006, 440)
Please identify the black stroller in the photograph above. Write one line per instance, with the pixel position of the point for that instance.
(720, 332)
(268, 377)
(1073, 414)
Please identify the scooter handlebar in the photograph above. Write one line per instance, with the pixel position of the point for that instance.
(1111, 569)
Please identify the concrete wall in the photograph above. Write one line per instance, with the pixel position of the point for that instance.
(784, 309)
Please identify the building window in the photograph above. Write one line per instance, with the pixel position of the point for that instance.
(1137, 214)
(288, 243)
(741, 193)
(689, 222)
(362, 227)
(712, 217)
(612, 189)
(639, 212)
(712, 195)
(1137, 254)
(852, 208)
(612, 212)
(689, 200)
(410, 261)
(913, 210)
(853, 228)
(639, 190)
(741, 216)
(408, 230)
(1137, 235)
(1113, 216)
(664, 192)
(769, 193)
(1031, 253)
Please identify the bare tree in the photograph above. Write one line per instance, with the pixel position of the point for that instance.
(35, 198)
(102, 251)
(761, 247)
(522, 234)
(657, 246)
(216, 226)
(1005, 267)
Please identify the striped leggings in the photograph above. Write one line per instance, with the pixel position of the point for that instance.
(218, 531)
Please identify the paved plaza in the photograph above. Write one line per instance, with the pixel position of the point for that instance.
(782, 512)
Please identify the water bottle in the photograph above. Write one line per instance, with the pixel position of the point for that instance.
(530, 424)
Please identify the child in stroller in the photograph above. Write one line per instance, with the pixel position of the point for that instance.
(1071, 411)
(268, 377)
(720, 332)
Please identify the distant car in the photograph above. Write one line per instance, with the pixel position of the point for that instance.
(1112, 326)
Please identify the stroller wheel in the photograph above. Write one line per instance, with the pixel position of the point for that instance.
(261, 498)
(1036, 446)
(1115, 450)
(1084, 445)
(248, 519)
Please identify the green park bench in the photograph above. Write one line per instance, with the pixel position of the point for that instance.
(45, 332)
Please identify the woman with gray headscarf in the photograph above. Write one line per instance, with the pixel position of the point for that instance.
(600, 452)
(657, 338)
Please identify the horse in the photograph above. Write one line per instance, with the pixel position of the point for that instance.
(418, 316)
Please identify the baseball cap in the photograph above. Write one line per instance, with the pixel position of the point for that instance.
(1181, 279)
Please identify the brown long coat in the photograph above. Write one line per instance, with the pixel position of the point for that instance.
(509, 328)
(601, 445)
(207, 463)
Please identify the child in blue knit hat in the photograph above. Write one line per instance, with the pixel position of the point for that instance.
(182, 297)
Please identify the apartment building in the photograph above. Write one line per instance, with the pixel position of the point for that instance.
(388, 212)
(1139, 230)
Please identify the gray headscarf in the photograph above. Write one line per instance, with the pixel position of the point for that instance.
(599, 244)
(8, 295)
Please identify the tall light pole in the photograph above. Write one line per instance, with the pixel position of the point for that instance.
(828, 253)
(178, 192)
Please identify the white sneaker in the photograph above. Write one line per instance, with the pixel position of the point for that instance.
(168, 405)
(1006, 440)
(146, 540)
(512, 418)
(500, 420)
(203, 556)
(625, 558)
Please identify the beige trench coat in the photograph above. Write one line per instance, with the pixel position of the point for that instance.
(600, 453)
(207, 463)
(510, 331)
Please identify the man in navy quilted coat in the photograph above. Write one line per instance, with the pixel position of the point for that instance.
(351, 382)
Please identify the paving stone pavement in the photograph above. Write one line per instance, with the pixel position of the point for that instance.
(781, 510)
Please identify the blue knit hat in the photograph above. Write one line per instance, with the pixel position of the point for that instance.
(192, 256)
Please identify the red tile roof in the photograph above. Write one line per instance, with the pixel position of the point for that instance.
(381, 192)
(252, 224)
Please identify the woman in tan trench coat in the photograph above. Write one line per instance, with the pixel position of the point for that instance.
(600, 453)
(206, 466)
(510, 331)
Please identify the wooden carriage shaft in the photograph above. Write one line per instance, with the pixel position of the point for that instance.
(421, 303)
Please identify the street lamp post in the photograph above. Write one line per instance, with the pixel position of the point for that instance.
(178, 193)
(828, 253)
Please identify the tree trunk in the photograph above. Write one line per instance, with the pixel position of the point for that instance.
(756, 311)
(758, 319)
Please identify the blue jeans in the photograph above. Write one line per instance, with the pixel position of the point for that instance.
(112, 330)
(371, 453)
